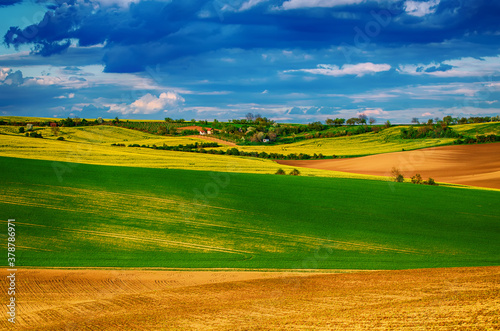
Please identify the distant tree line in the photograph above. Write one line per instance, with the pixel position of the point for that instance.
(479, 139)
(440, 130)
(200, 148)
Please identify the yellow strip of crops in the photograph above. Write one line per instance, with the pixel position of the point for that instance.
(91, 145)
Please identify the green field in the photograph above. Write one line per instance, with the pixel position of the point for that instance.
(80, 215)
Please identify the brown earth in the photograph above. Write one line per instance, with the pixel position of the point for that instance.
(475, 165)
(445, 299)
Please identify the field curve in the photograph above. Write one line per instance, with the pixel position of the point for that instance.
(473, 165)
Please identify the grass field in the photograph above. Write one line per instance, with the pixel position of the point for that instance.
(102, 216)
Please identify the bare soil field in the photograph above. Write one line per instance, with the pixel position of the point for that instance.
(445, 299)
(474, 165)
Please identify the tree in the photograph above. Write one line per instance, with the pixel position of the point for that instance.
(417, 179)
(339, 121)
(168, 120)
(55, 130)
(330, 122)
(431, 181)
(372, 120)
(387, 124)
(280, 172)
(362, 118)
(21, 129)
(352, 121)
(249, 117)
(448, 119)
(294, 172)
(397, 175)
(415, 121)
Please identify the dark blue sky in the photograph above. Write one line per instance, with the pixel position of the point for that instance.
(292, 60)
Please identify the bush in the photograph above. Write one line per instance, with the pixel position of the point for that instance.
(294, 172)
(430, 182)
(280, 172)
(21, 129)
(397, 175)
(60, 138)
(417, 179)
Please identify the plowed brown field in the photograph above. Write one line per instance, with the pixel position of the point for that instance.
(445, 299)
(475, 165)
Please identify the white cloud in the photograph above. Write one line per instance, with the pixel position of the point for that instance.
(421, 8)
(426, 114)
(359, 70)
(295, 4)
(373, 111)
(68, 96)
(463, 67)
(250, 4)
(148, 104)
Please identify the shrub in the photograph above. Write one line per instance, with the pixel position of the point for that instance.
(280, 172)
(417, 179)
(431, 181)
(294, 172)
(21, 129)
(60, 138)
(397, 175)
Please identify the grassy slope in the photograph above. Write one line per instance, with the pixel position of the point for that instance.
(92, 145)
(139, 217)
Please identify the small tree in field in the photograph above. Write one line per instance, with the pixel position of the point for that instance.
(430, 182)
(397, 175)
(21, 129)
(55, 130)
(294, 172)
(372, 120)
(417, 179)
(280, 172)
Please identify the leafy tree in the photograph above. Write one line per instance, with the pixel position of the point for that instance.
(417, 179)
(362, 118)
(280, 172)
(352, 121)
(330, 122)
(294, 172)
(339, 121)
(55, 130)
(387, 124)
(430, 182)
(372, 120)
(168, 120)
(397, 175)
(415, 120)
(21, 129)
(249, 117)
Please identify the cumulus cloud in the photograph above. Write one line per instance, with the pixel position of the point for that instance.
(149, 104)
(464, 67)
(10, 77)
(421, 8)
(358, 70)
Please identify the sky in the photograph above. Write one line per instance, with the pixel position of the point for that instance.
(289, 60)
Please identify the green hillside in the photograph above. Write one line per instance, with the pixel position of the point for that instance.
(77, 215)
